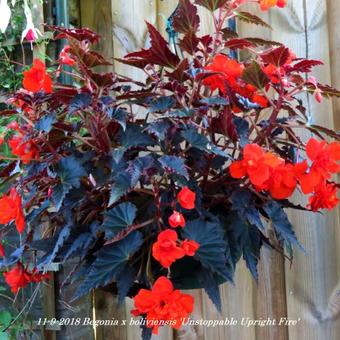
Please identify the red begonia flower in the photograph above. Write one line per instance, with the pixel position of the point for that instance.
(324, 197)
(283, 181)
(25, 150)
(11, 209)
(65, 57)
(256, 164)
(266, 4)
(190, 247)
(165, 250)
(325, 162)
(163, 305)
(186, 198)
(37, 79)
(176, 220)
(17, 278)
(230, 70)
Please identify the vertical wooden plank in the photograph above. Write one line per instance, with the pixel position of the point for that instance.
(97, 15)
(48, 295)
(333, 15)
(193, 332)
(270, 295)
(237, 303)
(313, 276)
(107, 308)
(130, 30)
(81, 308)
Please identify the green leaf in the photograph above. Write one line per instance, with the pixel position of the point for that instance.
(174, 164)
(4, 336)
(119, 218)
(251, 19)
(254, 75)
(213, 249)
(5, 318)
(110, 262)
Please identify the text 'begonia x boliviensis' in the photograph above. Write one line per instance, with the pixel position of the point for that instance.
(163, 305)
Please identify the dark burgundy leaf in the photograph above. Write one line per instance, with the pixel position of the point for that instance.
(277, 56)
(80, 34)
(228, 33)
(251, 19)
(238, 43)
(180, 73)
(186, 19)
(305, 65)
(88, 58)
(254, 75)
(160, 52)
(189, 43)
(262, 42)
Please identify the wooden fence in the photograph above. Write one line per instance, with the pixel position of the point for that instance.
(307, 292)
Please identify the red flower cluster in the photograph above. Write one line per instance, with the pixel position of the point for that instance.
(163, 305)
(37, 79)
(25, 150)
(19, 277)
(229, 76)
(186, 199)
(266, 171)
(65, 58)
(20, 146)
(267, 4)
(325, 162)
(11, 209)
(168, 248)
(277, 74)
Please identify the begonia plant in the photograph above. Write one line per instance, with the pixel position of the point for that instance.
(163, 184)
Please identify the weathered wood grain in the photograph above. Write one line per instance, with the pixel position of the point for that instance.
(313, 276)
